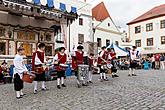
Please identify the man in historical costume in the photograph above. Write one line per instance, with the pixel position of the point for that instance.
(111, 57)
(38, 60)
(102, 61)
(91, 62)
(19, 70)
(78, 59)
(134, 57)
(60, 66)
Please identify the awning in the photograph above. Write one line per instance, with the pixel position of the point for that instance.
(8, 19)
(118, 50)
(55, 4)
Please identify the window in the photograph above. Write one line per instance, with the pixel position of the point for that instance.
(162, 24)
(59, 37)
(137, 29)
(109, 24)
(163, 40)
(48, 50)
(99, 42)
(48, 37)
(150, 42)
(2, 32)
(117, 43)
(149, 27)
(80, 38)
(107, 43)
(2, 48)
(138, 43)
(80, 21)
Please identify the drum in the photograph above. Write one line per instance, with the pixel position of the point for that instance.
(83, 72)
(39, 70)
(63, 66)
(28, 77)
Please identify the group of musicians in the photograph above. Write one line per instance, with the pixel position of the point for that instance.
(79, 57)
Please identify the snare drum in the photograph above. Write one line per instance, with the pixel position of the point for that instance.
(83, 71)
(28, 77)
(63, 66)
(39, 70)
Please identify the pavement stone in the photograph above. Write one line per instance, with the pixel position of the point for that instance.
(143, 92)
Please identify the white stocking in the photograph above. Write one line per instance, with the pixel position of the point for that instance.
(35, 85)
(58, 81)
(18, 93)
(43, 84)
(101, 75)
(104, 75)
(62, 80)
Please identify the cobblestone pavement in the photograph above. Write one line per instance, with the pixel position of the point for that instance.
(143, 92)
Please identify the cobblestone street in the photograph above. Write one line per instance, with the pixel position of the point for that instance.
(143, 92)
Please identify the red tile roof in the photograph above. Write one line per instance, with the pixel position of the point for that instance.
(153, 13)
(100, 12)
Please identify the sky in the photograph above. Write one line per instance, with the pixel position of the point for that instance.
(124, 11)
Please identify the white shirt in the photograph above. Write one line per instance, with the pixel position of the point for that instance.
(109, 57)
(133, 54)
(19, 66)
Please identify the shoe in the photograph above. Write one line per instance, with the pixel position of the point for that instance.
(105, 79)
(43, 89)
(58, 86)
(129, 75)
(23, 95)
(35, 91)
(113, 76)
(84, 85)
(116, 75)
(19, 97)
(63, 85)
(91, 82)
(78, 85)
(134, 75)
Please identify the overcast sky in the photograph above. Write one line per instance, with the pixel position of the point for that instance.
(124, 11)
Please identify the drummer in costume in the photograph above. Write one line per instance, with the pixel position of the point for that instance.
(19, 70)
(61, 58)
(77, 59)
(91, 62)
(102, 61)
(134, 55)
(111, 57)
(38, 59)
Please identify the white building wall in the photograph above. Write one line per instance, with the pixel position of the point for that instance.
(106, 32)
(155, 34)
(84, 12)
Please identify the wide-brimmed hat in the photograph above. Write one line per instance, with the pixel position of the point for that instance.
(62, 48)
(80, 47)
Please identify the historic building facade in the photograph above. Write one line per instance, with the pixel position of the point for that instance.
(147, 31)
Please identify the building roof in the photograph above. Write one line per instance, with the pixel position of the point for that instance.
(100, 12)
(153, 13)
